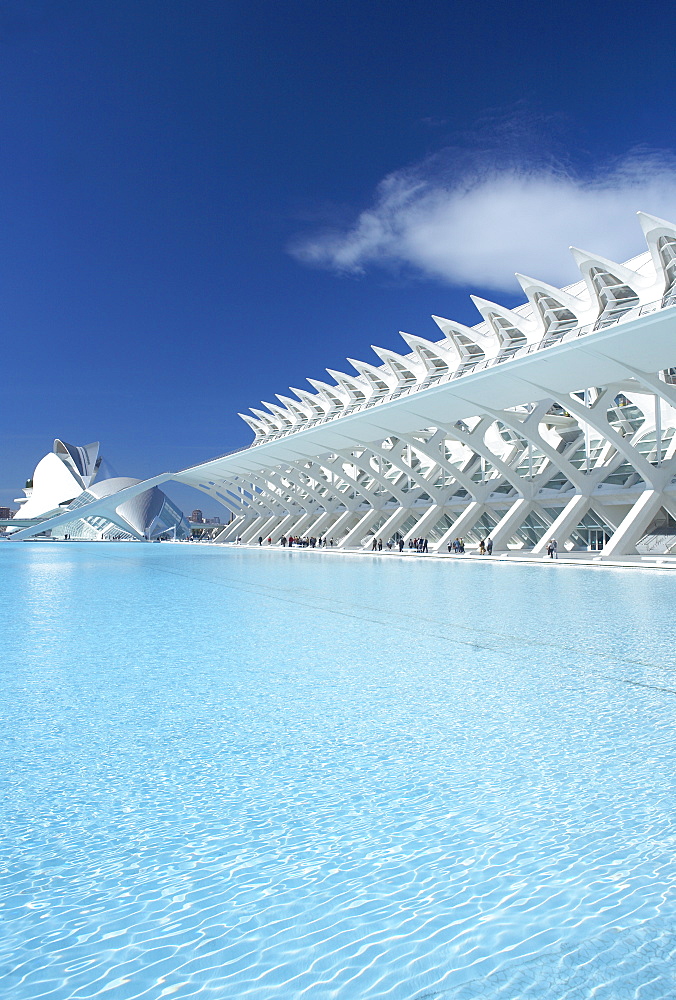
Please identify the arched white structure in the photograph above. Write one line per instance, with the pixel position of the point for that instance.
(70, 479)
(557, 418)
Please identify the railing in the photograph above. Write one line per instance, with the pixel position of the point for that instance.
(465, 368)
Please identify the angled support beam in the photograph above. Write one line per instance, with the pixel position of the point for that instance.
(335, 468)
(287, 525)
(475, 440)
(362, 462)
(302, 525)
(398, 462)
(529, 430)
(594, 416)
(293, 475)
(396, 519)
(623, 541)
(427, 521)
(279, 498)
(103, 506)
(354, 535)
(235, 527)
(433, 453)
(320, 526)
(263, 528)
(464, 523)
(564, 525)
(343, 524)
(509, 523)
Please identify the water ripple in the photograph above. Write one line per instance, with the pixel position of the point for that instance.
(277, 784)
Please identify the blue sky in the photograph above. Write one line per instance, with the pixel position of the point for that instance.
(203, 203)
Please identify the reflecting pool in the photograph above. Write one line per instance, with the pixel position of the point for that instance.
(271, 774)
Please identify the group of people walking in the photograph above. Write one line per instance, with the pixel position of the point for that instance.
(301, 541)
(457, 545)
(305, 542)
(377, 544)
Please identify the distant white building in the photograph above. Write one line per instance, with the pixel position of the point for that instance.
(70, 477)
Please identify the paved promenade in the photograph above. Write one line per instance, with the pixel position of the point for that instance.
(590, 560)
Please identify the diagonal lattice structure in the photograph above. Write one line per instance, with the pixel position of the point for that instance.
(554, 419)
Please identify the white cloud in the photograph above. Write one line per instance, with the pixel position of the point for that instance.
(477, 227)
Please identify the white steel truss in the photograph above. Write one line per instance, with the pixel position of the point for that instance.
(554, 419)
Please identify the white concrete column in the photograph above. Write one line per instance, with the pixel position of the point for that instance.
(354, 535)
(285, 526)
(393, 522)
(463, 523)
(293, 526)
(565, 524)
(611, 515)
(529, 430)
(329, 527)
(258, 528)
(428, 520)
(235, 526)
(317, 527)
(341, 524)
(509, 523)
(633, 526)
(302, 525)
(669, 504)
(271, 530)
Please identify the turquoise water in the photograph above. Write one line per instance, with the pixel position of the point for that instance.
(266, 775)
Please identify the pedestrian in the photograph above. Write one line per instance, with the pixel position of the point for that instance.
(260, 539)
(375, 544)
(482, 548)
(380, 545)
(424, 545)
(489, 546)
(550, 549)
(401, 544)
(555, 548)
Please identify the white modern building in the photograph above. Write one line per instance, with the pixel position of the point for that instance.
(69, 478)
(554, 419)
